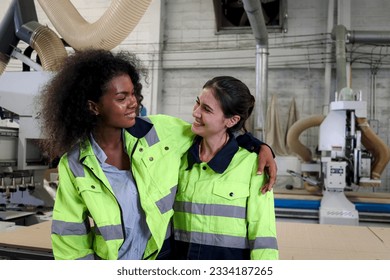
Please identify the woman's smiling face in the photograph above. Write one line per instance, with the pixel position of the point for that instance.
(209, 118)
(118, 106)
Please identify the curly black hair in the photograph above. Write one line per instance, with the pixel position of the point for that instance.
(65, 115)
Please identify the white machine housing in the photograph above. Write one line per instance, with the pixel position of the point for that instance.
(22, 164)
(344, 160)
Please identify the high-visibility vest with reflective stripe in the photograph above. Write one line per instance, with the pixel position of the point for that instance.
(85, 194)
(225, 212)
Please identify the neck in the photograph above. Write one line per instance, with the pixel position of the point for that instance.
(107, 137)
(210, 146)
(110, 141)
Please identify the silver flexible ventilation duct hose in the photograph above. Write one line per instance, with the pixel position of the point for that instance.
(21, 23)
(4, 59)
(106, 33)
(48, 46)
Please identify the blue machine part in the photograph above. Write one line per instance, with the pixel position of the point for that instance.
(315, 205)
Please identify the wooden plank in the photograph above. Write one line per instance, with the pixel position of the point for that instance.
(34, 237)
(300, 241)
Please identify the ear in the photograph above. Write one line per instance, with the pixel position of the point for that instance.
(232, 121)
(92, 106)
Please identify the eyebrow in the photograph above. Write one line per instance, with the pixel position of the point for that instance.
(125, 92)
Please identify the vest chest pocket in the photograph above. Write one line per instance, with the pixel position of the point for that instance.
(231, 191)
(229, 208)
(85, 185)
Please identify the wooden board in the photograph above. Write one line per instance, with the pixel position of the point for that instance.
(35, 237)
(297, 241)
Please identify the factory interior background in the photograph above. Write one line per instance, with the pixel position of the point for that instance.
(296, 72)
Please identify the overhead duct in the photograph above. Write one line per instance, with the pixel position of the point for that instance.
(7, 37)
(371, 37)
(339, 33)
(293, 142)
(256, 19)
(48, 46)
(106, 33)
(21, 23)
(342, 36)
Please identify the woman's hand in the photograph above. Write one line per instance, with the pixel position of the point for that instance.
(267, 163)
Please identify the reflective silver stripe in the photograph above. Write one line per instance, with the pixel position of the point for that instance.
(151, 137)
(264, 243)
(169, 231)
(166, 203)
(110, 232)
(211, 209)
(68, 228)
(74, 164)
(212, 239)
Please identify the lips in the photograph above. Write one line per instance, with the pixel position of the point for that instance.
(197, 123)
(131, 115)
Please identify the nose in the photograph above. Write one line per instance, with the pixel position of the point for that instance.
(132, 101)
(196, 112)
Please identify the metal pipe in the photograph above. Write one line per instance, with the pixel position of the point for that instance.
(342, 36)
(372, 95)
(340, 32)
(7, 37)
(26, 19)
(328, 65)
(261, 91)
(372, 37)
(7, 31)
(42, 39)
(256, 19)
(21, 23)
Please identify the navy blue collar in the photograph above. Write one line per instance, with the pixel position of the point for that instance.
(220, 162)
(141, 128)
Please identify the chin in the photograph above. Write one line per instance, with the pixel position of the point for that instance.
(131, 122)
(193, 128)
(196, 130)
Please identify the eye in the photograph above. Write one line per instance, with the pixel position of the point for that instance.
(207, 109)
(120, 97)
(197, 104)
